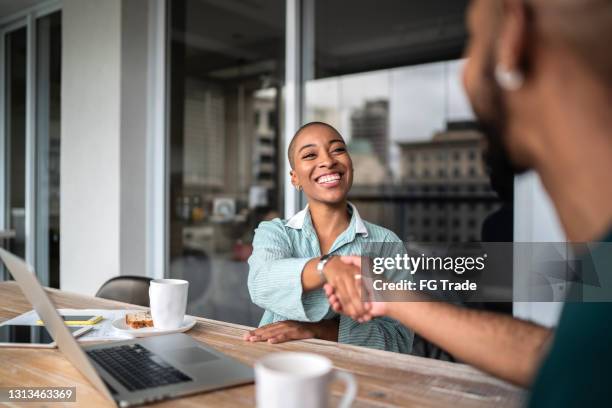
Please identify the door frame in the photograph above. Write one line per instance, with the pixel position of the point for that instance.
(25, 18)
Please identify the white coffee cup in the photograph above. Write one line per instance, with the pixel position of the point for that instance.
(299, 380)
(168, 300)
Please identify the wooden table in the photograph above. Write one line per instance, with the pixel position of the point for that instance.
(384, 378)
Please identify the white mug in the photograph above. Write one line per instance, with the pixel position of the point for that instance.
(168, 300)
(299, 380)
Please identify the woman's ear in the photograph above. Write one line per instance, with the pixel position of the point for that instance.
(294, 178)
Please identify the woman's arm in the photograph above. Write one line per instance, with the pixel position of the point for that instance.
(275, 277)
(289, 330)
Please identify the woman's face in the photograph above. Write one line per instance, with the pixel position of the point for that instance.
(322, 165)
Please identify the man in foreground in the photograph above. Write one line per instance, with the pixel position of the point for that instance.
(539, 77)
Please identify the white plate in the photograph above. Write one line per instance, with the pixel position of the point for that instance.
(121, 327)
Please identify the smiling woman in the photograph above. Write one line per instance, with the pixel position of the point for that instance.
(320, 163)
(292, 259)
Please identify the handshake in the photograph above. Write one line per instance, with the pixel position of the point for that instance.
(343, 288)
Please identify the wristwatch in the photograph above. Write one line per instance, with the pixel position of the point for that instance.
(321, 264)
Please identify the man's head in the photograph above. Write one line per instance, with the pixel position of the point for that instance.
(518, 51)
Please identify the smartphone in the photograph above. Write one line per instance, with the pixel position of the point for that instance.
(13, 335)
(78, 320)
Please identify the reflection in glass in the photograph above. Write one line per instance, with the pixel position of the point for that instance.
(227, 61)
(48, 102)
(392, 86)
(15, 57)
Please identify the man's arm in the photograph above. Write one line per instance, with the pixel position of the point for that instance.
(506, 347)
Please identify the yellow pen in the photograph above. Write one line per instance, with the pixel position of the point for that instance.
(78, 320)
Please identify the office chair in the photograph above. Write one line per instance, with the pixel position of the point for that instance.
(129, 289)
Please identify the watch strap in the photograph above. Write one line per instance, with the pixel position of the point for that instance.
(321, 264)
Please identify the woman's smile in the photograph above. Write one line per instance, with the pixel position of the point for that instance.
(329, 180)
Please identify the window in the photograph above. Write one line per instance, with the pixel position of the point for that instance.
(48, 146)
(39, 111)
(15, 114)
(226, 153)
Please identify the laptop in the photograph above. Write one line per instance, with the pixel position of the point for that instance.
(138, 371)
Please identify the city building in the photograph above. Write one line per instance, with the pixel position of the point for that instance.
(370, 124)
(448, 176)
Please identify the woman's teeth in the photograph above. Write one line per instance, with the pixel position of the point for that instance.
(330, 178)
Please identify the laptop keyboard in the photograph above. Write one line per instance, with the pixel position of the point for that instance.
(136, 368)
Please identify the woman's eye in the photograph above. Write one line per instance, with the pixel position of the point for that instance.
(340, 149)
(308, 156)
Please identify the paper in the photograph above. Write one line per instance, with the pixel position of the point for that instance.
(102, 331)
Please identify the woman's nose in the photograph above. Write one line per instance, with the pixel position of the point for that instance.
(327, 160)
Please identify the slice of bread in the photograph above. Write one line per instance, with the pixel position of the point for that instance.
(139, 320)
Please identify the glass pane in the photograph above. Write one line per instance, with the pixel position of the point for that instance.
(16, 137)
(48, 87)
(392, 87)
(226, 163)
(416, 148)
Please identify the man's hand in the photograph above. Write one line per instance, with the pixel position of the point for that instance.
(344, 278)
(289, 330)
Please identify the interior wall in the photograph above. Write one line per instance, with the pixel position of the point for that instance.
(90, 160)
(134, 80)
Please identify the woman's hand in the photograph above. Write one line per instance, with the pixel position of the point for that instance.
(344, 278)
(371, 309)
(289, 330)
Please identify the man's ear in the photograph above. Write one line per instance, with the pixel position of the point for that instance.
(513, 36)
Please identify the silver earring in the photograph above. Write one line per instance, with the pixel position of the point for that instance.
(298, 187)
(509, 79)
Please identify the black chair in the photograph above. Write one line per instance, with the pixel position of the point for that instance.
(128, 289)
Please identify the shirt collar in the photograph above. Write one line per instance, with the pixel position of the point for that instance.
(297, 221)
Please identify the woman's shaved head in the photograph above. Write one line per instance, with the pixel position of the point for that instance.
(292, 144)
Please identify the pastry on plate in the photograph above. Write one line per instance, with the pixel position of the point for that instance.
(139, 320)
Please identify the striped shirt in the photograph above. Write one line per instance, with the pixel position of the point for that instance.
(281, 249)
